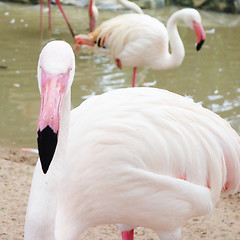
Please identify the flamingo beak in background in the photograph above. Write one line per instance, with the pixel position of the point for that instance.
(53, 88)
(200, 33)
(82, 39)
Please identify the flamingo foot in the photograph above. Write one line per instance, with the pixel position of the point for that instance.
(128, 235)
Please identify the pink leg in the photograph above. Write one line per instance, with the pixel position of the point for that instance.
(134, 77)
(65, 17)
(49, 15)
(41, 17)
(92, 19)
(128, 235)
(118, 63)
(92, 24)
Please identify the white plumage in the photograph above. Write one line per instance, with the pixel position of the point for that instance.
(136, 156)
(135, 40)
(93, 11)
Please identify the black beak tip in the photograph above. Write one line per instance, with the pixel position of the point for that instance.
(199, 45)
(47, 142)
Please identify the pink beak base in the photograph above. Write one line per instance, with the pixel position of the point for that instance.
(53, 88)
(200, 33)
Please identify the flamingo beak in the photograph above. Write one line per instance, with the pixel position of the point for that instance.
(53, 88)
(84, 40)
(200, 33)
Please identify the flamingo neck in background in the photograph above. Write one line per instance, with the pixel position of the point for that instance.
(131, 5)
(176, 45)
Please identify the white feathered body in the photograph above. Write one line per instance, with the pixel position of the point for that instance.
(138, 157)
(144, 156)
(135, 39)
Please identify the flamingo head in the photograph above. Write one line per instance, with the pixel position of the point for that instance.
(192, 19)
(56, 67)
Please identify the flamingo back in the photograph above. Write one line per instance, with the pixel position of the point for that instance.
(144, 156)
(164, 133)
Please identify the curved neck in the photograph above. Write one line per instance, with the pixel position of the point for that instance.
(91, 5)
(176, 44)
(130, 5)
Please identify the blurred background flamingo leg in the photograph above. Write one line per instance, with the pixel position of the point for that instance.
(50, 18)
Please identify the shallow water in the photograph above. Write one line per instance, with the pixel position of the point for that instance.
(211, 76)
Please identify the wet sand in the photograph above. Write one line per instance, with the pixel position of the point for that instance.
(16, 169)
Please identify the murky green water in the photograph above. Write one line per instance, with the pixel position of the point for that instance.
(211, 76)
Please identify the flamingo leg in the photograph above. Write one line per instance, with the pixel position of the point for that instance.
(41, 17)
(49, 15)
(65, 17)
(128, 235)
(118, 63)
(134, 77)
(92, 23)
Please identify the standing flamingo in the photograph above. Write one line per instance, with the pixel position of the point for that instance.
(140, 40)
(138, 156)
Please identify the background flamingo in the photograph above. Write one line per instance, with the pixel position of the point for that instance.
(138, 156)
(140, 40)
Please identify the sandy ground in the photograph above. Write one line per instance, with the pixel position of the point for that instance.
(16, 169)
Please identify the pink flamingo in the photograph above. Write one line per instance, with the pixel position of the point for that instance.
(135, 40)
(138, 156)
